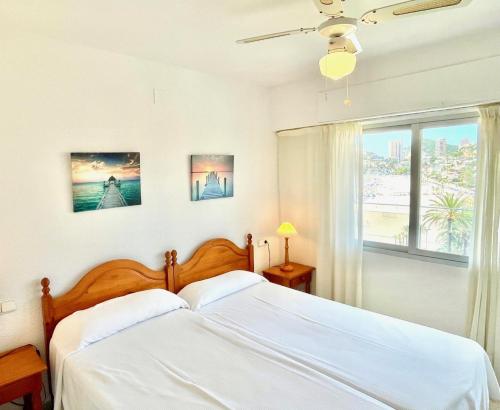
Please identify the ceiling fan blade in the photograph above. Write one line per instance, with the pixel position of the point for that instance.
(410, 8)
(331, 8)
(352, 44)
(276, 35)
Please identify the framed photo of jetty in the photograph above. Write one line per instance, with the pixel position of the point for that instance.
(105, 180)
(211, 176)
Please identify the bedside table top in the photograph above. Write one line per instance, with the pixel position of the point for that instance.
(20, 363)
(298, 269)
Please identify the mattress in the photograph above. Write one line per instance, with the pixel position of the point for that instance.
(404, 365)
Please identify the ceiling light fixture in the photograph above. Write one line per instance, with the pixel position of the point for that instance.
(339, 62)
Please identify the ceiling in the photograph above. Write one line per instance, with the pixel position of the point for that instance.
(201, 34)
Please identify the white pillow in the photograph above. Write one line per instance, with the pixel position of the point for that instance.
(203, 292)
(84, 327)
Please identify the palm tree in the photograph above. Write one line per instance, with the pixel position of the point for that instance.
(452, 214)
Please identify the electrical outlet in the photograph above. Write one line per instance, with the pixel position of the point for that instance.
(7, 306)
(263, 242)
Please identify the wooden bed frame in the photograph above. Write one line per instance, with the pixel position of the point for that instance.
(122, 277)
(212, 258)
(106, 281)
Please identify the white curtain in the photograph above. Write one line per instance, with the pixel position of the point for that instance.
(320, 178)
(485, 262)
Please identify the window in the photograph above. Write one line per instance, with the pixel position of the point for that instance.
(419, 187)
(386, 182)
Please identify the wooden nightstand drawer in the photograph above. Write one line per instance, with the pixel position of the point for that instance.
(306, 277)
(301, 274)
(278, 280)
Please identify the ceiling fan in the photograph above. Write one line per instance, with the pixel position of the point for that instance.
(341, 31)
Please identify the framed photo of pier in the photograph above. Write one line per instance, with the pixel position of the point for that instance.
(211, 176)
(105, 180)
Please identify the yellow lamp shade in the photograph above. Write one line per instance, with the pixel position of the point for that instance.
(337, 64)
(287, 230)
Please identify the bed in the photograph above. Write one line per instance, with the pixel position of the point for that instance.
(119, 340)
(400, 364)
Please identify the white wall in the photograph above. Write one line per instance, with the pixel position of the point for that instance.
(459, 72)
(56, 99)
(431, 294)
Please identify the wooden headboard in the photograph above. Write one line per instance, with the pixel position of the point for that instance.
(213, 258)
(107, 281)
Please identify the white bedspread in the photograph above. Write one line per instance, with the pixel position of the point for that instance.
(402, 364)
(182, 361)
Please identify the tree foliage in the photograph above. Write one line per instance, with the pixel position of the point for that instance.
(452, 215)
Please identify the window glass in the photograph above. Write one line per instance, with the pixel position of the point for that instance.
(447, 188)
(386, 194)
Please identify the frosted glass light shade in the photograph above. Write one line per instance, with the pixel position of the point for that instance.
(337, 64)
(287, 230)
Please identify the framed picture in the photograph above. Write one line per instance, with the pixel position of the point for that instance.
(105, 180)
(211, 176)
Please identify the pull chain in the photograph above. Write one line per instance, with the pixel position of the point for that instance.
(347, 101)
(326, 88)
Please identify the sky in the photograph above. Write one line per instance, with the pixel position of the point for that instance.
(98, 167)
(378, 142)
(208, 163)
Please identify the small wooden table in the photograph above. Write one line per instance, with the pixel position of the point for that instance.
(300, 274)
(21, 375)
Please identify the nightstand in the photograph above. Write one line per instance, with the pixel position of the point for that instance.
(300, 274)
(21, 375)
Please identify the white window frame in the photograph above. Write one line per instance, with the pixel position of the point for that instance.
(416, 126)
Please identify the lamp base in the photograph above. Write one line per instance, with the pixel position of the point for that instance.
(286, 268)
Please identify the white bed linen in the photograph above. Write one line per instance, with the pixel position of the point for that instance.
(182, 361)
(203, 292)
(88, 326)
(402, 364)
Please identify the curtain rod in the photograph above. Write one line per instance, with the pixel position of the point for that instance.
(393, 116)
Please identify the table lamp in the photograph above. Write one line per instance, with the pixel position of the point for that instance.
(286, 230)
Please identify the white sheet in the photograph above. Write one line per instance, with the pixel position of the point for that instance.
(402, 364)
(182, 361)
(88, 326)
